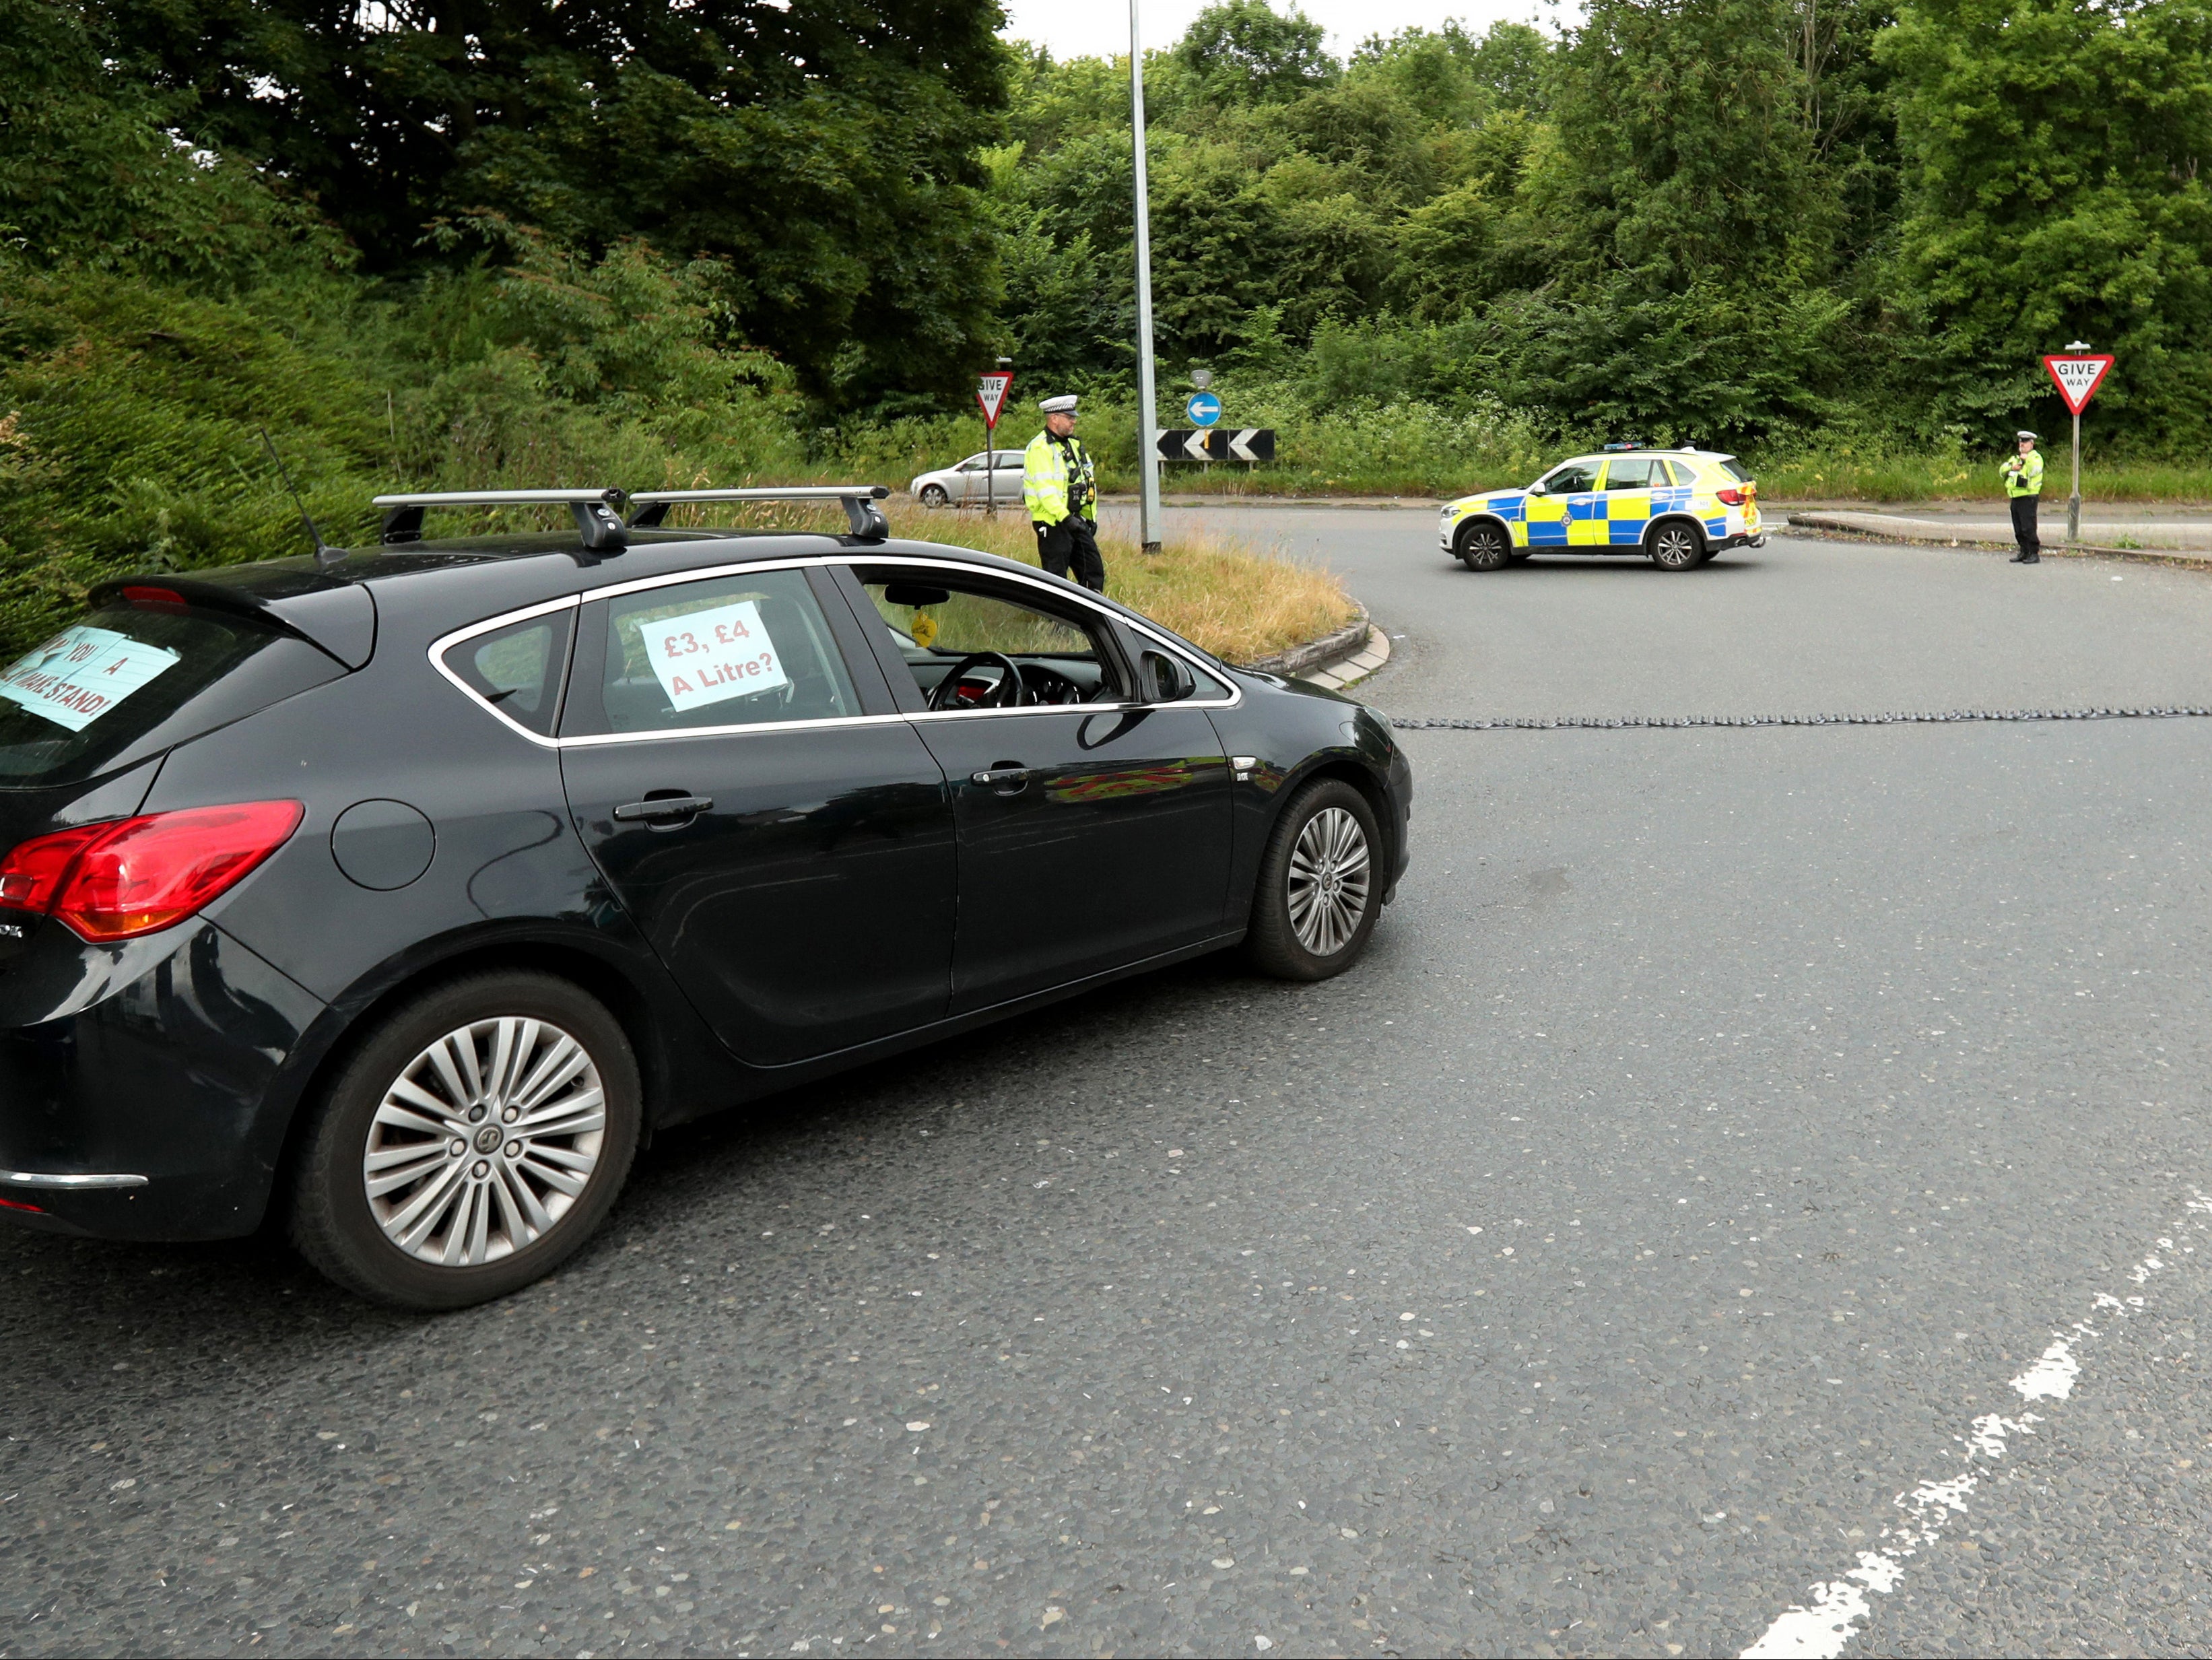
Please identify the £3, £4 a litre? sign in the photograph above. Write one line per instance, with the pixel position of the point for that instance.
(2078, 377)
(711, 656)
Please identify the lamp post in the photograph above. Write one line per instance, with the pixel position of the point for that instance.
(1148, 431)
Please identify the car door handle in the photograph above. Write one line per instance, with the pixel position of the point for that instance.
(664, 807)
(1006, 778)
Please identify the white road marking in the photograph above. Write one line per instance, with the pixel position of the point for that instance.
(2051, 1378)
(1822, 1626)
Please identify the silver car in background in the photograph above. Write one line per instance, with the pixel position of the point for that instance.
(994, 475)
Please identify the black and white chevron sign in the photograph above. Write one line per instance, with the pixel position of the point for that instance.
(1217, 444)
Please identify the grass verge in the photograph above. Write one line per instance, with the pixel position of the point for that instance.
(1839, 475)
(1240, 604)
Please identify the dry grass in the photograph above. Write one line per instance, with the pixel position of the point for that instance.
(1238, 603)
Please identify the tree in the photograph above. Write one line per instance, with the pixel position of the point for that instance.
(1456, 77)
(2055, 190)
(1681, 123)
(94, 171)
(824, 154)
(1245, 51)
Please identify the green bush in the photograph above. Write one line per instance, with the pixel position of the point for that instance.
(133, 408)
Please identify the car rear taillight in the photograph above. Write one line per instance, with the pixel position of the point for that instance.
(134, 876)
(1729, 497)
(33, 873)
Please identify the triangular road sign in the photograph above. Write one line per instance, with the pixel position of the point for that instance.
(2078, 377)
(991, 391)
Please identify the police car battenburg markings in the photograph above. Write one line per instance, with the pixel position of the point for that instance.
(82, 672)
(712, 656)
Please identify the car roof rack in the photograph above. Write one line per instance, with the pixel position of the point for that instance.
(866, 519)
(599, 512)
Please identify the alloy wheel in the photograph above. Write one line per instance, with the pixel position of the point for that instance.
(484, 1142)
(1676, 547)
(1329, 881)
(1485, 548)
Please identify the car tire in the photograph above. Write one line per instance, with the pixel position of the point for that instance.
(1483, 546)
(1676, 545)
(934, 496)
(1319, 887)
(451, 1228)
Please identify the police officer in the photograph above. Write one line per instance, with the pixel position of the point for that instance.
(1059, 487)
(2023, 482)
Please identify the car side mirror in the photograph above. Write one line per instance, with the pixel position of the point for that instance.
(1167, 679)
(1536, 489)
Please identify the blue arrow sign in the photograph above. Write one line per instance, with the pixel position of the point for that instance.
(1204, 408)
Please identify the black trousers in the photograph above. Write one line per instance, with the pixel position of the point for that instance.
(2023, 525)
(1072, 543)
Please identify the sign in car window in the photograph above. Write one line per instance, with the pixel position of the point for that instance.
(711, 656)
(82, 672)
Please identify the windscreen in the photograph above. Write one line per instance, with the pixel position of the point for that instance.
(128, 679)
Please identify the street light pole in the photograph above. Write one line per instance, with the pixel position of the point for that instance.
(1148, 431)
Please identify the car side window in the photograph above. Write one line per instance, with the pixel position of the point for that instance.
(732, 651)
(973, 464)
(1575, 476)
(518, 669)
(1629, 475)
(935, 619)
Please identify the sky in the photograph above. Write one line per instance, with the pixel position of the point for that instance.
(1100, 28)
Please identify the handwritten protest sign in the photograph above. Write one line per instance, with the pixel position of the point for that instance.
(82, 672)
(710, 656)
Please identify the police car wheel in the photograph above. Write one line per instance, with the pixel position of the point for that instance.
(1320, 885)
(1483, 547)
(933, 495)
(1676, 547)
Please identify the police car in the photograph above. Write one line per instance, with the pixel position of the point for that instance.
(1679, 507)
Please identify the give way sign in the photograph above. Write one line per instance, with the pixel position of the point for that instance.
(2077, 378)
(991, 391)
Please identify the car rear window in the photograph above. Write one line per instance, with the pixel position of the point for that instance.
(1735, 469)
(518, 669)
(132, 678)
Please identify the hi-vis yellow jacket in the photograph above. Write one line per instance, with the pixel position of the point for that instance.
(1047, 481)
(2023, 474)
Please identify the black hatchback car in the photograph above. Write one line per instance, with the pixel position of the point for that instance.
(396, 894)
